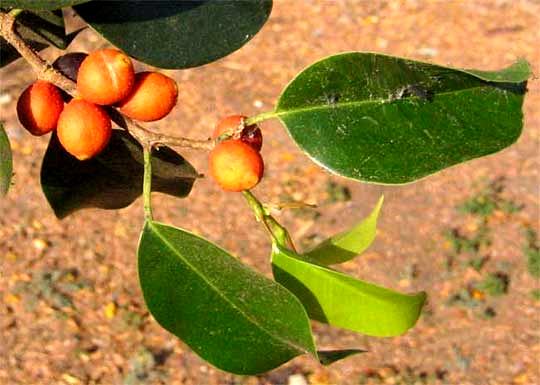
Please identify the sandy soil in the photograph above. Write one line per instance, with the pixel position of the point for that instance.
(72, 311)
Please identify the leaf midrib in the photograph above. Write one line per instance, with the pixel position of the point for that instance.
(380, 101)
(233, 305)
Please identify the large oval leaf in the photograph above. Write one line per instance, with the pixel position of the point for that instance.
(177, 34)
(113, 179)
(40, 4)
(345, 246)
(6, 165)
(385, 119)
(340, 300)
(234, 318)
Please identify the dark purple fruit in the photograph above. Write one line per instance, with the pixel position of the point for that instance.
(69, 64)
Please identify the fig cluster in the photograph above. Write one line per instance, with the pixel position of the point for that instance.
(235, 162)
(105, 77)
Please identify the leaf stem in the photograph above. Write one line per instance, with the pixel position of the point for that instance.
(261, 117)
(255, 205)
(15, 12)
(278, 233)
(147, 182)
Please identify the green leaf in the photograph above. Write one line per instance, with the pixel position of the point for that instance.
(347, 245)
(45, 26)
(6, 162)
(394, 120)
(177, 34)
(518, 72)
(327, 357)
(340, 300)
(111, 180)
(234, 318)
(40, 4)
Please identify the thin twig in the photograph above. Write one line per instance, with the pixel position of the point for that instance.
(45, 71)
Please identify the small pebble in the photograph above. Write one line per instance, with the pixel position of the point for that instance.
(297, 379)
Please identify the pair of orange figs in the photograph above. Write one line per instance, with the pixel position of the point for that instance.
(107, 78)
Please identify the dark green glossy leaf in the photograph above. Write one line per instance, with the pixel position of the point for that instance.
(177, 34)
(234, 318)
(6, 163)
(327, 357)
(111, 180)
(348, 244)
(40, 4)
(340, 300)
(393, 120)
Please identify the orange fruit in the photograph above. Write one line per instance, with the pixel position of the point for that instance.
(153, 96)
(105, 77)
(84, 129)
(235, 165)
(250, 134)
(39, 107)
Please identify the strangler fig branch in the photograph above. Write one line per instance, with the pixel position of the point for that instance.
(45, 71)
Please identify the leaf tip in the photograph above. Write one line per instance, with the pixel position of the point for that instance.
(327, 357)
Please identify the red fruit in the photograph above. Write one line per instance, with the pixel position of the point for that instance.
(39, 107)
(153, 96)
(105, 77)
(84, 129)
(235, 165)
(231, 124)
